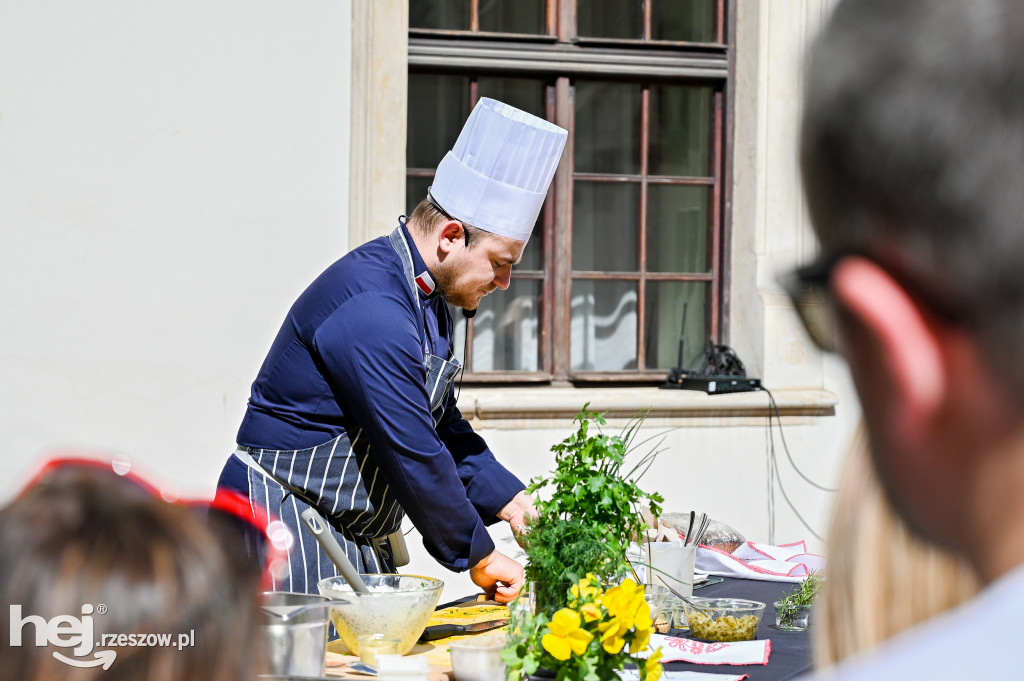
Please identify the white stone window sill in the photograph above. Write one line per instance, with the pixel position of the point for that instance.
(540, 406)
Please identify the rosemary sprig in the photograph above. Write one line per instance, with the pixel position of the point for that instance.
(798, 597)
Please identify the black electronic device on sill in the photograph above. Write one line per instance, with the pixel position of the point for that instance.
(720, 372)
(712, 385)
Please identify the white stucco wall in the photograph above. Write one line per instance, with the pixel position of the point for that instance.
(716, 465)
(171, 176)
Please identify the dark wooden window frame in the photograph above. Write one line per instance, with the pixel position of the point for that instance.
(563, 57)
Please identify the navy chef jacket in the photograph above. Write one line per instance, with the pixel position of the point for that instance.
(349, 354)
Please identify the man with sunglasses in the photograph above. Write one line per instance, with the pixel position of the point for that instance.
(352, 412)
(912, 152)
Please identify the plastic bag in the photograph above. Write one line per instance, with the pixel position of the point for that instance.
(718, 535)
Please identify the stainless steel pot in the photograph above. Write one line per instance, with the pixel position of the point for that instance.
(295, 628)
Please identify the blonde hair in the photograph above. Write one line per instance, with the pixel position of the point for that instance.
(881, 578)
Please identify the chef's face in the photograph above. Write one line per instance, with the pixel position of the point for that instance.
(467, 274)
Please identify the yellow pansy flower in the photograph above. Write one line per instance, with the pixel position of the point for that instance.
(612, 633)
(640, 641)
(566, 637)
(642, 617)
(652, 667)
(626, 601)
(590, 612)
(586, 589)
(618, 598)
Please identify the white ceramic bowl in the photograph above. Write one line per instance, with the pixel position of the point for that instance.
(398, 606)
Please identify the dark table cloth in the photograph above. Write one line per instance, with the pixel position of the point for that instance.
(791, 651)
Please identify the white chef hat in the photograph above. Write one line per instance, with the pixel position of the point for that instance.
(498, 173)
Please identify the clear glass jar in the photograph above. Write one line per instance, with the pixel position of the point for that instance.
(791, 617)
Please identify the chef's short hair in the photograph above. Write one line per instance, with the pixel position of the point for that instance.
(428, 215)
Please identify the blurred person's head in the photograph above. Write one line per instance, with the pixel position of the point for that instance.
(881, 578)
(912, 151)
(95, 549)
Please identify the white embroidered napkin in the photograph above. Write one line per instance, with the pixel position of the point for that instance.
(784, 563)
(634, 675)
(687, 650)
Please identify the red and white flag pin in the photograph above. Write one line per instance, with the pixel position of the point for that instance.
(425, 283)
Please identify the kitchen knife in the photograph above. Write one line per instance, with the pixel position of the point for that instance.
(445, 630)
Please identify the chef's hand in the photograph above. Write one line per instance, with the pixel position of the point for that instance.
(499, 576)
(516, 512)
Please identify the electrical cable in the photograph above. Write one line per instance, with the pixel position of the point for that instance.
(792, 506)
(770, 477)
(778, 422)
(775, 476)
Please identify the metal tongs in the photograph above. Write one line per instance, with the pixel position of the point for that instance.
(710, 612)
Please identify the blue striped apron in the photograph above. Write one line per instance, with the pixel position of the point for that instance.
(341, 480)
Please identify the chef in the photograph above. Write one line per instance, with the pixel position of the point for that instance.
(353, 412)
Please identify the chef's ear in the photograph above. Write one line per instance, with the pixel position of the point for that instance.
(450, 235)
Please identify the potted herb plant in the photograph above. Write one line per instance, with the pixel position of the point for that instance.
(792, 612)
(587, 621)
(591, 499)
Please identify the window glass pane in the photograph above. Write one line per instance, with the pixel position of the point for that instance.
(506, 329)
(459, 336)
(415, 191)
(603, 325)
(605, 216)
(533, 254)
(665, 301)
(451, 15)
(528, 95)
(621, 19)
(438, 106)
(680, 131)
(513, 16)
(683, 20)
(607, 128)
(678, 224)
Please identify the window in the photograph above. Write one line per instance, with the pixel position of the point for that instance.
(633, 233)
